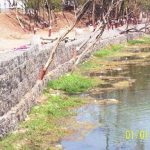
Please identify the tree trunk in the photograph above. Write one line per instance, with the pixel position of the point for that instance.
(93, 14)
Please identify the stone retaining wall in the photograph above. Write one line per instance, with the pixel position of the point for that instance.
(19, 70)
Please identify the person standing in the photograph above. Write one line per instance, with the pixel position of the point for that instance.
(50, 31)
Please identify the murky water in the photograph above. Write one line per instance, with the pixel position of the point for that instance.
(123, 126)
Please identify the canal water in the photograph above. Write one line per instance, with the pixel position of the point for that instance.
(122, 126)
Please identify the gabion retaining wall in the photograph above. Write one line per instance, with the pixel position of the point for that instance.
(19, 70)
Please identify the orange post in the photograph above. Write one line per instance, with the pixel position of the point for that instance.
(41, 73)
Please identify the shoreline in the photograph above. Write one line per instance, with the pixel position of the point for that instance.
(23, 68)
(77, 125)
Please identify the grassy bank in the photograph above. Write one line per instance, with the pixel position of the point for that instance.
(45, 124)
(72, 83)
(42, 127)
(109, 50)
(99, 58)
(142, 41)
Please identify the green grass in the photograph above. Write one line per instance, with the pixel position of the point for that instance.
(56, 106)
(42, 127)
(144, 40)
(134, 42)
(91, 64)
(108, 51)
(72, 83)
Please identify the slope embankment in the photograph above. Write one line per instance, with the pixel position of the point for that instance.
(19, 71)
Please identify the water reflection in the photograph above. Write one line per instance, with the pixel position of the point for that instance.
(133, 113)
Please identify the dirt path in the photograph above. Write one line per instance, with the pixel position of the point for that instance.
(12, 36)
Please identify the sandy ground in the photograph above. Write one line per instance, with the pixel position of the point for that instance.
(12, 36)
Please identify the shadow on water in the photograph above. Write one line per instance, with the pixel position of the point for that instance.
(123, 126)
